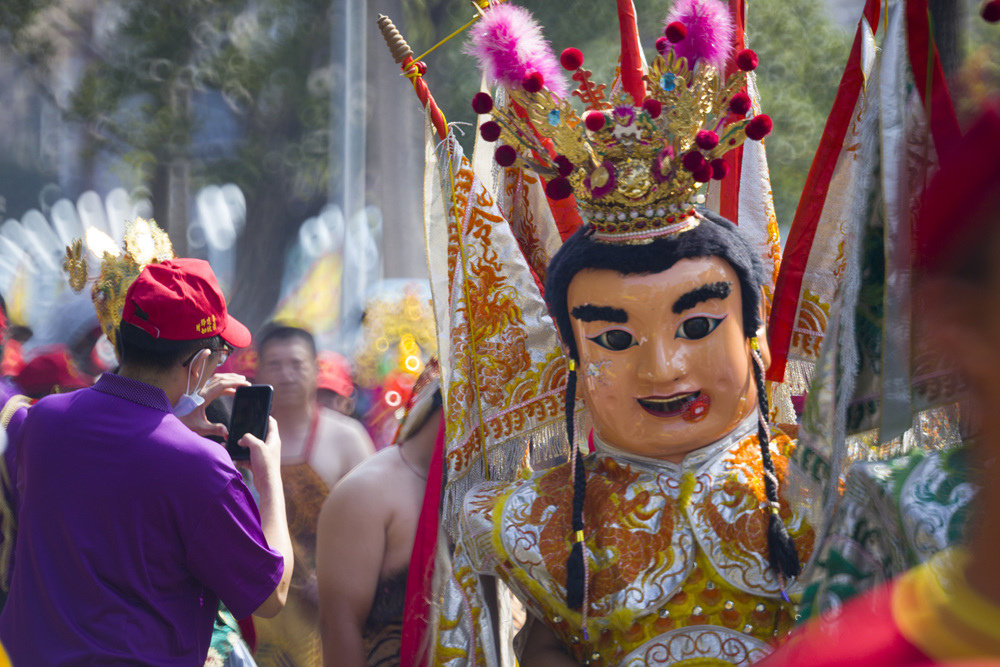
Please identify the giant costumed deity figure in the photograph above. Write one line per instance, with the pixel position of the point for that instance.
(678, 539)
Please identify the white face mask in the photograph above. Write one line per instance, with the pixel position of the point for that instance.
(191, 399)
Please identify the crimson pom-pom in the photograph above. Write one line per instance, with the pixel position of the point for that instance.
(991, 11)
(563, 166)
(489, 131)
(571, 58)
(558, 188)
(740, 104)
(719, 168)
(533, 82)
(676, 32)
(482, 103)
(652, 106)
(505, 155)
(662, 45)
(746, 60)
(594, 121)
(706, 140)
(704, 175)
(758, 127)
(693, 161)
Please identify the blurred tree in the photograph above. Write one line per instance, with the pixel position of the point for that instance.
(190, 93)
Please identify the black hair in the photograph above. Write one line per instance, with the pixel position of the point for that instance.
(138, 349)
(274, 331)
(713, 237)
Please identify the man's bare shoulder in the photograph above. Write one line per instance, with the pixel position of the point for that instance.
(372, 481)
(343, 431)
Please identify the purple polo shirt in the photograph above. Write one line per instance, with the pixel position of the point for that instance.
(131, 528)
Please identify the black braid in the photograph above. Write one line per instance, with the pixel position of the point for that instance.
(574, 566)
(782, 554)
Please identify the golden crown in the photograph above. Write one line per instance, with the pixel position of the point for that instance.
(144, 243)
(635, 167)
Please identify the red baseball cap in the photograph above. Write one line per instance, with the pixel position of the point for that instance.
(334, 373)
(50, 370)
(180, 299)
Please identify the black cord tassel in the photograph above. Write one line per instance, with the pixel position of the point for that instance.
(574, 566)
(782, 554)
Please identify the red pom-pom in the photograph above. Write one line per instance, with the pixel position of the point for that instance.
(719, 168)
(571, 58)
(758, 127)
(740, 104)
(653, 107)
(594, 121)
(482, 103)
(991, 11)
(704, 175)
(533, 82)
(662, 45)
(693, 161)
(558, 188)
(706, 140)
(563, 166)
(505, 155)
(490, 131)
(676, 32)
(746, 60)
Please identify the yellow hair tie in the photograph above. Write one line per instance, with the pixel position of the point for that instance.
(754, 344)
(578, 536)
(571, 364)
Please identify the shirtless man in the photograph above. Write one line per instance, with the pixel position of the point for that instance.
(322, 446)
(366, 535)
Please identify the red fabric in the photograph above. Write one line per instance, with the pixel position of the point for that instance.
(803, 230)
(180, 299)
(630, 60)
(12, 362)
(862, 634)
(729, 187)
(249, 632)
(421, 573)
(51, 369)
(955, 209)
(929, 77)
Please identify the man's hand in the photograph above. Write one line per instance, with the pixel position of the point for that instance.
(220, 384)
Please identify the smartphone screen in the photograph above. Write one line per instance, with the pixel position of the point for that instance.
(251, 409)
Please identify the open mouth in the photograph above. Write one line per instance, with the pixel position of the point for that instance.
(670, 406)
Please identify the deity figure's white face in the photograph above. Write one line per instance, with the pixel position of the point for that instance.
(665, 367)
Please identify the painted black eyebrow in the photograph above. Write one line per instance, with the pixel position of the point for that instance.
(688, 300)
(589, 313)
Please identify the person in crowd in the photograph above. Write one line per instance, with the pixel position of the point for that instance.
(366, 535)
(948, 608)
(334, 385)
(319, 446)
(137, 525)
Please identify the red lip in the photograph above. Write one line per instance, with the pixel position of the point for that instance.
(668, 406)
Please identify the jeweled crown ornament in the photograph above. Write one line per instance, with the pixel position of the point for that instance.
(144, 243)
(634, 159)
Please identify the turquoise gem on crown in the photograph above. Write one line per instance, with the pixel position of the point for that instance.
(667, 81)
(555, 117)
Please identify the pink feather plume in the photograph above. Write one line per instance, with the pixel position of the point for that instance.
(509, 45)
(710, 31)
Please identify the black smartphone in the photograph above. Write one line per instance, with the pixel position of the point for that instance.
(251, 409)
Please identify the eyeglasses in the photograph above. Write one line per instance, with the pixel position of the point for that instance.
(223, 353)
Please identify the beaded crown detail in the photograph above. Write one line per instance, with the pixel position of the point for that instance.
(634, 166)
(144, 243)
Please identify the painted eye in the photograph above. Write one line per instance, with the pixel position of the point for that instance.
(698, 327)
(615, 339)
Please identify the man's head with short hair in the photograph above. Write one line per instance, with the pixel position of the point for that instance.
(287, 361)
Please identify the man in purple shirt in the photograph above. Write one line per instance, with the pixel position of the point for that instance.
(131, 526)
